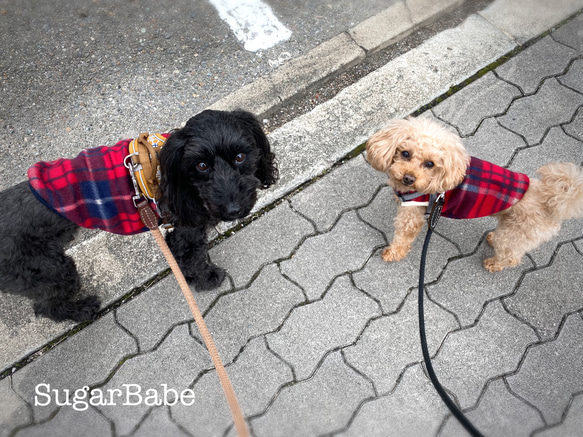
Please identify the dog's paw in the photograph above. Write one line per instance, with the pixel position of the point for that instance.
(86, 309)
(490, 239)
(492, 265)
(497, 265)
(78, 311)
(209, 279)
(394, 253)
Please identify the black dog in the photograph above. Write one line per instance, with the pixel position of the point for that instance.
(210, 172)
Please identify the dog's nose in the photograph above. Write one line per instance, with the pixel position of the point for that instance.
(408, 179)
(233, 209)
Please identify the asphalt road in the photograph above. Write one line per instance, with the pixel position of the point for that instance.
(77, 74)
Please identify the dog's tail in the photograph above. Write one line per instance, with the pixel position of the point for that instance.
(563, 184)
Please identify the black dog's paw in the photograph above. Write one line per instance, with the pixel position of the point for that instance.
(78, 311)
(208, 279)
(87, 309)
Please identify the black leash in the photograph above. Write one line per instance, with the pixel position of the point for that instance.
(431, 223)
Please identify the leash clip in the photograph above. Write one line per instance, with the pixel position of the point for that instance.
(129, 164)
(436, 211)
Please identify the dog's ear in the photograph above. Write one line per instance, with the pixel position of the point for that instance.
(455, 165)
(267, 171)
(454, 157)
(382, 146)
(176, 194)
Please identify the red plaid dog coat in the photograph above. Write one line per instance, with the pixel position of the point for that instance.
(93, 190)
(485, 190)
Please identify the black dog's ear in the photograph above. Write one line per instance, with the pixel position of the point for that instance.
(267, 171)
(177, 195)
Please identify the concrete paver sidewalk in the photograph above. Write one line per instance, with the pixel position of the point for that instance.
(319, 335)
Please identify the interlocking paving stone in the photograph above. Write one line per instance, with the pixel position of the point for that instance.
(557, 146)
(152, 314)
(392, 342)
(499, 413)
(543, 254)
(546, 295)
(243, 254)
(466, 286)
(574, 77)
(381, 211)
(560, 363)
(345, 248)
(532, 116)
(14, 411)
(573, 423)
(413, 409)
(526, 69)
(493, 143)
(570, 34)
(261, 308)
(389, 283)
(87, 358)
(337, 319)
(575, 128)
(471, 356)
(255, 376)
(67, 421)
(158, 423)
(176, 363)
(484, 98)
(317, 405)
(466, 234)
(350, 186)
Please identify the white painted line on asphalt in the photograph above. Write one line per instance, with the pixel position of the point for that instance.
(252, 22)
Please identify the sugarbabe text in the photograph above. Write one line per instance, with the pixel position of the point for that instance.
(128, 395)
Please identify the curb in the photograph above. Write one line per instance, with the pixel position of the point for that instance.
(267, 94)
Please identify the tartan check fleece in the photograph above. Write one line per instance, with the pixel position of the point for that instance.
(485, 190)
(93, 190)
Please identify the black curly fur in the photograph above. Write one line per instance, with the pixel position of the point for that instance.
(211, 170)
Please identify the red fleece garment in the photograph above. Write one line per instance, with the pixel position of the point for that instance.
(486, 189)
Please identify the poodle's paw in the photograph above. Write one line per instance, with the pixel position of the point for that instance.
(492, 266)
(490, 239)
(497, 265)
(87, 309)
(209, 279)
(394, 253)
(78, 311)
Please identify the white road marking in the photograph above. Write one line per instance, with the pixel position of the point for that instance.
(252, 22)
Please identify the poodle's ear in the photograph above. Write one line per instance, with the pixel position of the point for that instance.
(176, 194)
(455, 165)
(170, 159)
(454, 157)
(267, 171)
(382, 146)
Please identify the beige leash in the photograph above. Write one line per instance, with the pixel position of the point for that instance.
(151, 221)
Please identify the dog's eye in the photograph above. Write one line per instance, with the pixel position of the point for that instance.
(429, 164)
(405, 154)
(240, 158)
(202, 167)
